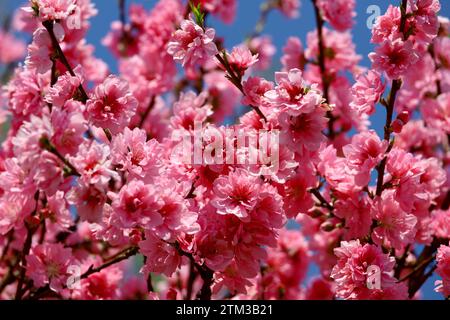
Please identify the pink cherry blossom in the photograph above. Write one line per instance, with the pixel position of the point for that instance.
(54, 9)
(396, 228)
(255, 89)
(340, 48)
(437, 112)
(225, 10)
(11, 49)
(48, 264)
(135, 155)
(191, 44)
(241, 59)
(236, 194)
(356, 214)
(351, 272)
(64, 89)
(161, 256)
(363, 154)
(366, 92)
(339, 13)
(111, 105)
(443, 269)
(386, 25)
(394, 57)
(136, 204)
(103, 285)
(293, 56)
(290, 8)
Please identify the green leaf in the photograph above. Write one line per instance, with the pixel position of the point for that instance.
(198, 14)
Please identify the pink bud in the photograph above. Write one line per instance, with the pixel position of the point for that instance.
(397, 126)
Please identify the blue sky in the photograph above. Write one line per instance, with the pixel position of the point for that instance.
(278, 27)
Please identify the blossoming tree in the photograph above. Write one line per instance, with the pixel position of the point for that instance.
(91, 178)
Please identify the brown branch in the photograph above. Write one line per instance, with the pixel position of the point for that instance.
(25, 251)
(129, 252)
(417, 268)
(126, 254)
(234, 79)
(147, 111)
(9, 239)
(191, 279)
(395, 87)
(191, 191)
(205, 273)
(61, 57)
(321, 198)
(265, 9)
(321, 57)
(47, 145)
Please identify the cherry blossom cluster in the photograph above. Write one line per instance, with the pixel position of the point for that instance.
(91, 186)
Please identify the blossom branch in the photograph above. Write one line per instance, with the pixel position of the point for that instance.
(129, 252)
(234, 79)
(265, 9)
(147, 111)
(47, 145)
(322, 200)
(321, 61)
(395, 87)
(60, 55)
(205, 273)
(31, 228)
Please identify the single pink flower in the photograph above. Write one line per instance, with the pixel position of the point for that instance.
(255, 89)
(190, 109)
(53, 9)
(303, 131)
(161, 256)
(241, 59)
(292, 95)
(394, 57)
(11, 49)
(395, 228)
(443, 270)
(103, 285)
(366, 92)
(351, 273)
(224, 10)
(364, 152)
(191, 44)
(338, 13)
(386, 25)
(48, 264)
(290, 8)
(111, 105)
(339, 49)
(93, 162)
(436, 112)
(296, 195)
(356, 214)
(135, 155)
(293, 57)
(64, 89)
(136, 204)
(236, 194)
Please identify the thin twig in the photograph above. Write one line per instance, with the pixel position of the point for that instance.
(237, 82)
(321, 57)
(60, 55)
(147, 111)
(25, 251)
(320, 197)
